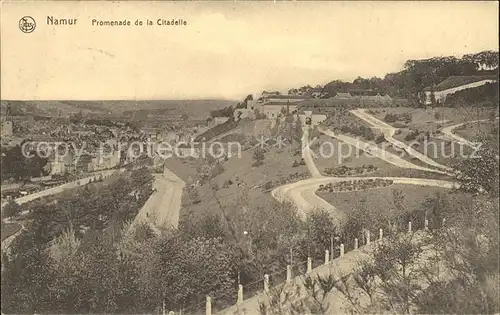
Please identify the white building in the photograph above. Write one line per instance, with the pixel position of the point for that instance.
(274, 110)
(316, 118)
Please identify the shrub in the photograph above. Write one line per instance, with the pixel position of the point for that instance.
(380, 138)
(269, 185)
(410, 137)
(390, 118)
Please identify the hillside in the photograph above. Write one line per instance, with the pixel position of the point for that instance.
(486, 95)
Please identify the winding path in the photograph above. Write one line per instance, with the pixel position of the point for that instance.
(388, 131)
(450, 135)
(303, 193)
(378, 152)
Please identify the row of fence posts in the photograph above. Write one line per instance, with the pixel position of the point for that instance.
(208, 307)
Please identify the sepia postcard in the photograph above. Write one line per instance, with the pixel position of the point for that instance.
(249, 157)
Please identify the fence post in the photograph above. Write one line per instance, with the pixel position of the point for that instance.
(240, 294)
(356, 243)
(266, 283)
(208, 306)
(341, 250)
(309, 264)
(368, 237)
(380, 234)
(288, 273)
(409, 226)
(327, 256)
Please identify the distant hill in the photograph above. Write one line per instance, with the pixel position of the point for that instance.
(195, 109)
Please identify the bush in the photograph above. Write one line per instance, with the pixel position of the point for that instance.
(390, 118)
(410, 137)
(268, 185)
(379, 139)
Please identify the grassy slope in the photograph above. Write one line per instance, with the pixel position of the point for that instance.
(379, 200)
(275, 165)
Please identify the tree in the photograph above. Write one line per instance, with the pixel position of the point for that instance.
(483, 60)
(194, 196)
(322, 229)
(479, 171)
(11, 209)
(258, 156)
(394, 262)
(184, 117)
(437, 116)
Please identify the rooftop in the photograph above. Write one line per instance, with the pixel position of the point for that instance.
(291, 97)
(459, 80)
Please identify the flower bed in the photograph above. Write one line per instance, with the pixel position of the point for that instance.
(353, 185)
(350, 171)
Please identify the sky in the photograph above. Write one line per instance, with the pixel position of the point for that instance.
(228, 49)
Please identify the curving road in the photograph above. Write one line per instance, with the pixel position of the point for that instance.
(378, 152)
(388, 131)
(303, 193)
(450, 135)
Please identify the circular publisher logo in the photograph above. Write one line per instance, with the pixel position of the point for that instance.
(27, 24)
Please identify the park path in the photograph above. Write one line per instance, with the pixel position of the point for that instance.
(388, 131)
(448, 133)
(306, 153)
(378, 152)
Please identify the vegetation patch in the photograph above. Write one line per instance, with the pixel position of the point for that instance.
(355, 185)
(345, 170)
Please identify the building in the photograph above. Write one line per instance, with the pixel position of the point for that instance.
(249, 111)
(343, 95)
(284, 99)
(314, 117)
(454, 84)
(105, 161)
(274, 110)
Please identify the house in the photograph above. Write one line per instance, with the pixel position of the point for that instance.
(314, 117)
(248, 111)
(454, 84)
(343, 95)
(284, 99)
(274, 110)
